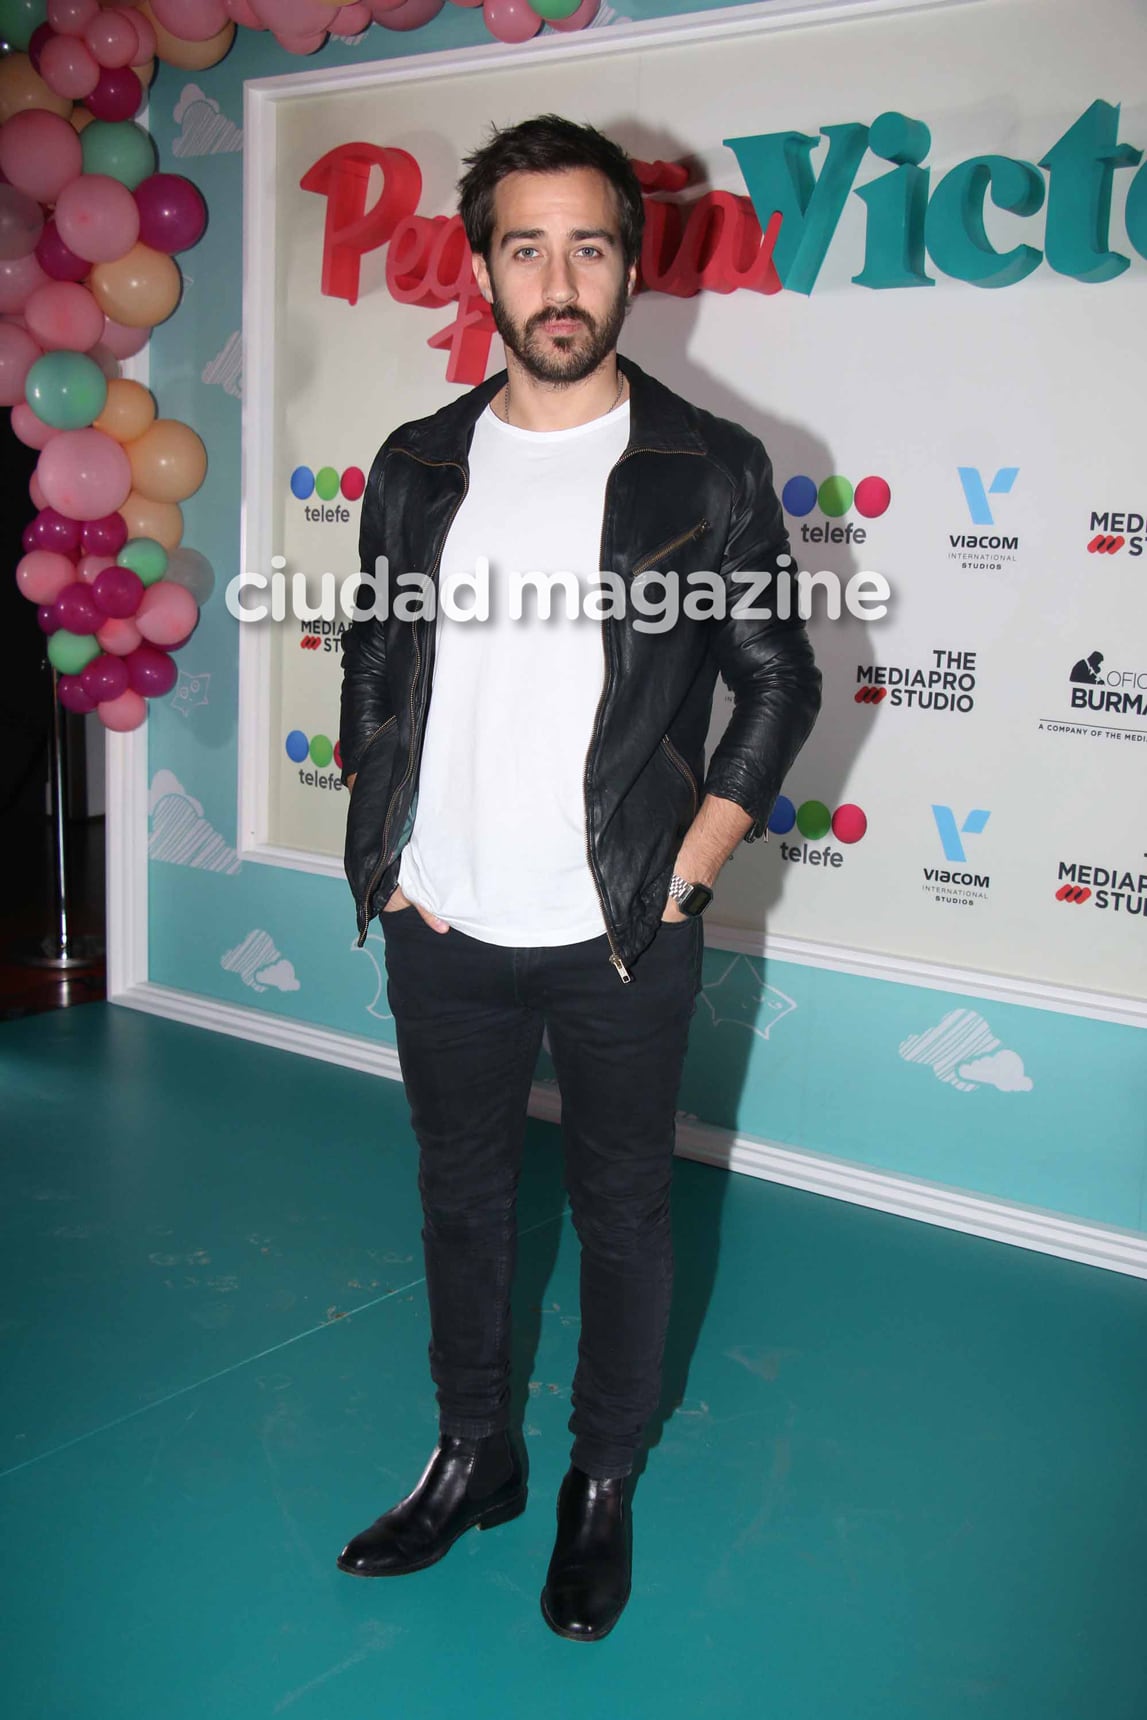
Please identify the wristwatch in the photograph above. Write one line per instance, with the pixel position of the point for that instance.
(692, 899)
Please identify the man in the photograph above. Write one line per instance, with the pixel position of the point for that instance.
(526, 818)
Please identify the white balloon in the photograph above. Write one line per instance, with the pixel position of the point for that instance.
(193, 571)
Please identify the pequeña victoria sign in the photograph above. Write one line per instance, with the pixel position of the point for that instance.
(775, 238)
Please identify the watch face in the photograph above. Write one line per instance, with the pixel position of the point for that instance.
(697, 900)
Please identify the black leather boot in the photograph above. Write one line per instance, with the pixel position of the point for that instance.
(588, 1581)
(467, 1484)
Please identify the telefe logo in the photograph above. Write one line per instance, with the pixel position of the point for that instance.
(317, 750)
(327, 484)
(813, 820)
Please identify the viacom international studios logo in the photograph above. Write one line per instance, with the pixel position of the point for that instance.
(835, 497)
(948, 683)
(990, 547)
(1106, 701)
(326, 491)
(1111, 889)
(958, 884)
(813, 821)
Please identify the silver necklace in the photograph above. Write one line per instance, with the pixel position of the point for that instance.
(613, 408)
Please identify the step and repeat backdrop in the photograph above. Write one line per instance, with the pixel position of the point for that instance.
(904, 248)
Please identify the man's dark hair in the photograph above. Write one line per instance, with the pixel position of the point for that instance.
(547, 144)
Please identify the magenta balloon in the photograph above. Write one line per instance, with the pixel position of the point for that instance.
(68, 66)
(113, 39)
(28, 540)
(56, 531)
(21, 222)
(105, 536)
(126, 712)
(172, 213)
(39, 153)
(40, 35)
(46, 619)
(105, 677)
(117, 591)
(117, 96)
(97, 218)
(32, 431)
(152, 672)
(77, 610)
(18, 353)
(585, 14)
(55, 258)
(122, 341)
(412, 14)
(167, 613)
(71, 693)
(85, 474)
(42, 574)
(19, 279)
(63, 316)
(191, 20)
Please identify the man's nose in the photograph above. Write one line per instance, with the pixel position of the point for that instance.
(559, 286)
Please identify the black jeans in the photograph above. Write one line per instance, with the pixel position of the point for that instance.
(469, 1018)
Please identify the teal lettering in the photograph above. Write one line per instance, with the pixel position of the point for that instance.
(1082, 166)
(779, 179)
(954, 225)
(896, 205)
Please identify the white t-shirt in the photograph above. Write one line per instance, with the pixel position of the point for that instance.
(498, 847)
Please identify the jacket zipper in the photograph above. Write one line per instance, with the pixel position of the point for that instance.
(676, 759)
(381, 867)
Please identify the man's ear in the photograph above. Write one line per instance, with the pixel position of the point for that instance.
(482, 276)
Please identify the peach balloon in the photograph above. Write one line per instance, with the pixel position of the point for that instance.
(126, 712)
(188, 56)
(128, 411)
(162, 521)
(81, 118)
(141, 288)
(22, 87)
(168, 462)
(118, 637)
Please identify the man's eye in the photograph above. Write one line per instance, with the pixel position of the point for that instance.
(522, 249)
(592, 249)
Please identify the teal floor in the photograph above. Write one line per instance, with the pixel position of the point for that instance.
(899, 1471)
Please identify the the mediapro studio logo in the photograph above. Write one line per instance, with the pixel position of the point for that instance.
(1114, 530)
(957, 885)
(835, 497)
(948, 683)
(986, 550)
(1111, 889)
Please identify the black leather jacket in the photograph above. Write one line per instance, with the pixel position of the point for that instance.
(691, 491)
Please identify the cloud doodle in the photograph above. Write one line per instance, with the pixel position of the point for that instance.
(178, 831)
(962, 1051)
(204, 128)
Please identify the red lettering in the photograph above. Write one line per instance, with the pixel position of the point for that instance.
(342, 176)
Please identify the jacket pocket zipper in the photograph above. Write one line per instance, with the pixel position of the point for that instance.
(679, 763)
(668, 548)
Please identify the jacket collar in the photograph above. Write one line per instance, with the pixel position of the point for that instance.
(659, 420)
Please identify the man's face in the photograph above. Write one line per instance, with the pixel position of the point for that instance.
(556, 279)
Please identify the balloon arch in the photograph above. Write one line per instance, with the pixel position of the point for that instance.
(89, 232)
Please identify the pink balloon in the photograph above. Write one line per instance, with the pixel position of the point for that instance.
(104, 537)
(167, 613)
(19, 279)
(117, 591)
(145, 30)
(302, 44)
(117, 96)
(72, 17)
(378, 7)
(152, 672)
(21, 222)
(76, 609)
(36, 488)
(352, 20)
(585, 14)
(42, 575)
(56, 531)
(295, 17)
(191, 20)
(32, 431)
(124, 342)
(70, 691)
(113, 39)
(39, 153)
(68, 66)
(119, 637)
(64, 315)
(97, 218)
(107, 360)
(243, 13)
(126, 712)
(172, 213)
(105, 677)
(93, 564)
(18, 353)
(84, 474)
(55, 258)
(412, 14)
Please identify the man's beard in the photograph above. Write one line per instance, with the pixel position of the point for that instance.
(563, 358)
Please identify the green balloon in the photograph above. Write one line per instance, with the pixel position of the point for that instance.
(18, 19)
(71, 652)
(119, 148)
(145, 557)
(554, 8)
(66, 390)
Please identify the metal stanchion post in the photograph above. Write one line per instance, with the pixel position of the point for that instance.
(62, 948)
